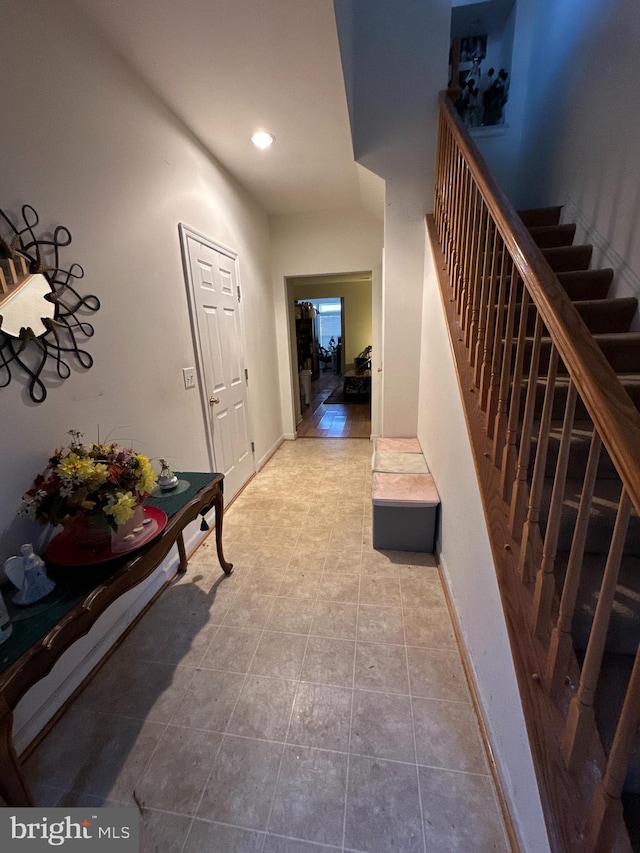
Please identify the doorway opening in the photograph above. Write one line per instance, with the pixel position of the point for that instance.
(331, 330)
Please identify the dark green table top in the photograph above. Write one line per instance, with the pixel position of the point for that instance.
(33, 622)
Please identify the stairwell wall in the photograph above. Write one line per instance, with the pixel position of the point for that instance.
(582, 124)
(467, 563)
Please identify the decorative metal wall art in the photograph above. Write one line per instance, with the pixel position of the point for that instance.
(40, 330)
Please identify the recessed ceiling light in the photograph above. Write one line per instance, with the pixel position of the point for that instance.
(262, 139)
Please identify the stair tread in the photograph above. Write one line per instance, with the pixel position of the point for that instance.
(608, 301)
(617, 337)
(578, 247)
(601, 272)
(562, 379)
(620, 336)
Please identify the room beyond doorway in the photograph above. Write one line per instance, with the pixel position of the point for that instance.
(337, 368)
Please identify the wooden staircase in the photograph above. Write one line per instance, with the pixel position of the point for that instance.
(609, 320)
(549, 374)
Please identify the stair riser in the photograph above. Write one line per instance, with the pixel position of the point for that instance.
(535, 216)
(552, 236)
(623, 635)
(601, 317)
(602, 519)
(560, 401)
(586, 284)
(612, 685)
(623, 355)
(578, 455)
(568, 259)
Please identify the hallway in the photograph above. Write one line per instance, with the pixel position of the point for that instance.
(313, 701)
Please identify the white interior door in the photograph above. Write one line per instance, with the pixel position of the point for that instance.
(214, 289)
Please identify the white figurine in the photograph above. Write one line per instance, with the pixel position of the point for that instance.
(29, 575)
(167, 479)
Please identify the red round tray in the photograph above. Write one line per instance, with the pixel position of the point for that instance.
(64, 551)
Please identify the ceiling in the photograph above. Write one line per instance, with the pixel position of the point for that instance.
(229, 67)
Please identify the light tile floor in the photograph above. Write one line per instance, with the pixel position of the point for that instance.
(313, 701)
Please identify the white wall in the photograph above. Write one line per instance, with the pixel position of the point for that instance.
(334, 241)
(395, 57)
(466, 559)
(90, 147)
(583, 120)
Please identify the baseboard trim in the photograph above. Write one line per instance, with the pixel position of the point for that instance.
(267, 456)
(496, 775)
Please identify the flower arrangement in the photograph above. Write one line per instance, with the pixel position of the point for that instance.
(101, 480)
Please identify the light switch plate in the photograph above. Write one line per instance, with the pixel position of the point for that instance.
(189, 375)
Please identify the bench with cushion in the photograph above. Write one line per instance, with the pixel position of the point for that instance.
(404, 495)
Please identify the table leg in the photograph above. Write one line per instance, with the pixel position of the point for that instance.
(182, 554)
(13, 788)
(218, 503)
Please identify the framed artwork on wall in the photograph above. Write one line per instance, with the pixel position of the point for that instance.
(473, 47)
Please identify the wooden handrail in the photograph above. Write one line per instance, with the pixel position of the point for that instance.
(609, 406)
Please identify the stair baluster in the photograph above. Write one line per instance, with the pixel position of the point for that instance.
(605, 815)
(531, 544)
(520, 491)
(510, 453)
(580, 720)
(475, 259)
(499, 431)
(561, 646)
(545, 579)
(491, 402)
(485, 340)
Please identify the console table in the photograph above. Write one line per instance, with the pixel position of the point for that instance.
(84, 593)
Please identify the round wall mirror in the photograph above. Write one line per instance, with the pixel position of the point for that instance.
(42, 323)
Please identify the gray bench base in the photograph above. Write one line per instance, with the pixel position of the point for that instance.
(402, 528)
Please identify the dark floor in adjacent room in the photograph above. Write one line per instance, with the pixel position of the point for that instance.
(335, 420)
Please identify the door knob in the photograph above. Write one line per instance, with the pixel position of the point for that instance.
(213, 401)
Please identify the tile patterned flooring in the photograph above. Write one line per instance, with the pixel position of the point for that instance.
(313, 701)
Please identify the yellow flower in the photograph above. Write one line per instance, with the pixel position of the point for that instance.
(147, 477)
(83, 470)
(121, 506)
(67, 467)
(100, 474)
(100, 449)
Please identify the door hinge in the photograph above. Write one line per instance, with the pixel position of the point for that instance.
(253, 447)
(246, 375)
(238, 290)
